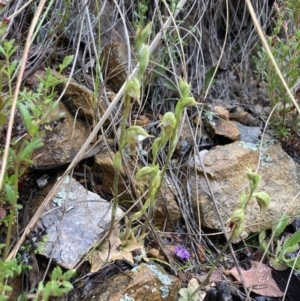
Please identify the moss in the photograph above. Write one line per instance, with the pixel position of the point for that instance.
(248, 145)
(164, 279)
(41, 244)
(164, 291)
(126, 298)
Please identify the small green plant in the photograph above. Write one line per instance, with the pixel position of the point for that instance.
(56, 287)
(36, 108)
(285, 46)
(134, 134)
(237, 220)
(279, 248)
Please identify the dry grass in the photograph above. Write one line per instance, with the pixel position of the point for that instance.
(188, 45)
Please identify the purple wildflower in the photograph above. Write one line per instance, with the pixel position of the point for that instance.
(182, 253)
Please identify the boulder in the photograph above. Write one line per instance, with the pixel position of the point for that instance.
(72, 222)
(143, 283)
(226, 169)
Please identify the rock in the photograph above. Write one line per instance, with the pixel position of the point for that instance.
(62, 140)
(166, 210)
(115, 64)
(69, 235)
(219, 125)
(111, 24)
(226, 168)
(225, 129)
(143, 283)
(248, 133)
(81, 102)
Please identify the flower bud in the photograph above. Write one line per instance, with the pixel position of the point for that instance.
(144, 55)
(134, 134)
(253, 178)
(141, 36)
(184, 88)
(117, 161)
(132, 88)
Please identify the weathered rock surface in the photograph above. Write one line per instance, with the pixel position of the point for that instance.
(62, 140)
(226, 168)
(69, 235)
(248, 133)
(111, 25)
(166, 209)
(115, 59)
(219, 125)
(143, 283)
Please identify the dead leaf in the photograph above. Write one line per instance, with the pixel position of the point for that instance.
(259, 278)
(201, 253)
(2, 213)
(112, 250)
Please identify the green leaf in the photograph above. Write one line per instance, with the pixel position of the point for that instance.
(29, 149)
(169, 84)
(2, 119)
(25, 115)
(186, 293)
(261, 238)
(291, 242)
(67, 284)
(69, 274)
(66, 62)
(7, 288)
(57, 273)
(12, 67)
(281, 225)
(146, 170)
(208, 76)
(278, 264)
(9, 194)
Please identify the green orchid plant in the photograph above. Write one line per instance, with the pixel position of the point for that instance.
(131, 137)
(281, 250)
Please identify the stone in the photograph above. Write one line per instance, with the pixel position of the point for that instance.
(72, 223)
(166, 211)
(143, 283)
(226, 168)
(221, 112)
(224, 129)
(219, 126)
(62, 140)
(249, 134)
(111, 25)
(115, 64)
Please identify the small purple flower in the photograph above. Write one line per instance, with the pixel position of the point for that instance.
(182, 253)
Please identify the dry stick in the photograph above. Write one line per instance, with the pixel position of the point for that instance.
(266, 45)
(85, 146)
